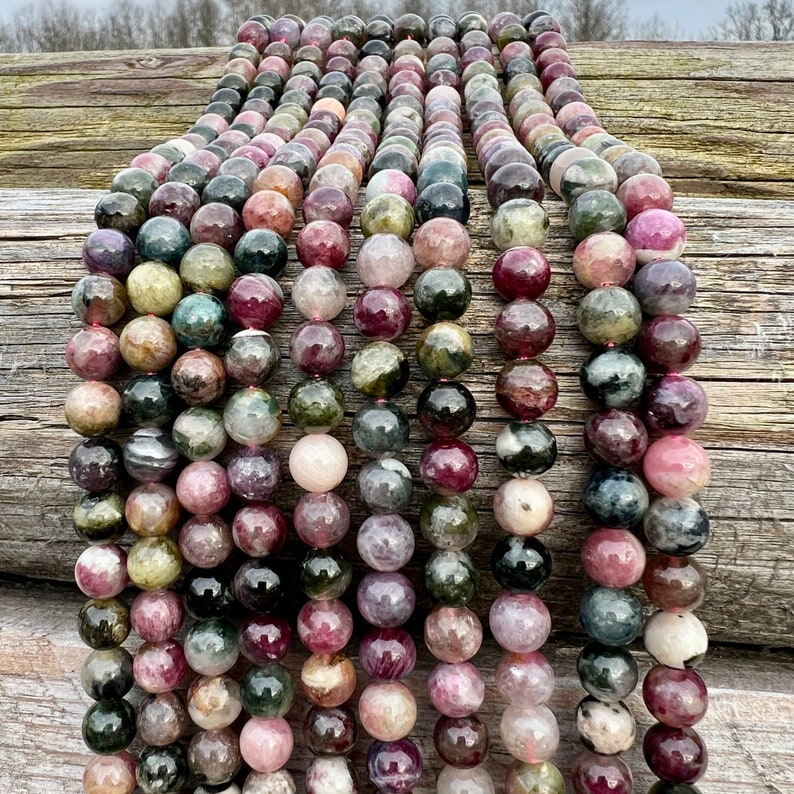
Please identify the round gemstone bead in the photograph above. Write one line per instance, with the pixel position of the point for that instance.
(316, 405)
(325, 573)
(325, 626)
(520, 622)
(258, 585)
(524, 328)
(101, 571)
(520, 564)
(677, 698)
(93, 353)
(386, 599)
(214, 756)
(208, 594)
(676, 466)
(319, 293)
(266, 744)
(676, 755)
(519, 222)
(322, 243)
(385, 542)
(605, 728)
(107, 675)
(616, 437)
(674, 405)
(207, 268)
(109, 726)
(444, 350)
(674, 584)
(387, 710)
(451, 577)
(382, 313)
(93, 408)
(380, 429)
(387, 654)
(152, 509)
(453, 780)
(259, 530)
(669, 343)
(148, 344)
(675, 639)
(203, 487)
(445, 409)
(331, 774)
(159, 666)
(385, 485)
(442, 293)
(252, 416)
(109, 251)
(456, 690)
(149, 400)
(525, 679)
(316, 347)
(452, 634)
(321, 519)
(214, 702)
(330, 731)
(602, 259)
(251, 357)
(448, 522)
(615, 497)
(384, 260)
(608, 673)
(211, 647)
(328, 680)
(156, 615)
(524, 778)
(99, 517)
(461, 742)
(154, 563)
(199, 434)
(676, 526)
(521, 272)
(261, 251)
(379, 370)
(594, 773)
(665, 287)
(162, 719)
(612, 379)
(387, 214)
(530, 733)
(656, 234)
(267, 691)
(264, 638)
(150, 455)
(609, 315)
(523, 507)
(255, 300)
(448, 467)
(596, 211)
(198, 377)
(394, 767)
(111, 774)
(526, 389)
(609, 616)
(613, 557)
(162, 770)
(526, 449)
(99, 298)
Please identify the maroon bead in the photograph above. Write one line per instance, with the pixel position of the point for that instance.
(449, 467)
(216, 223)
(461, 742)
(175, 200)
(330, 731)
(546, 40)
(316, 347)
(387, 654)
(521, 272)
(524, 328)
(549, 56)
(382, 313)
(617, 437)
(526, 389)
(328, 204)
(93, 353)
(674, 405)
(669, 344)
(259, 529)
(594, 773)
(677, 698)
(264, 638)
(675, 755)
(322, 243)
(255, 301)
(674, 584)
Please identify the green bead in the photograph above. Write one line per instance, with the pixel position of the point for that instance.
(211, 647)
(267, 691)
(387, 214)
(582, 176)
(517, 222)
(444, 350)
(207, 267)
(109, 726)
(448, 522)
(163, 239)
(379, 370)
(316, 405)
(136, 182)
(596, 211)
(103, 623)
(199, 321)
(324, 574)
(149, 400)
(451, 577)
(154, 288)
(162, 770)
(442, 293)
(199, 434)
(512, 32)
(99, 517)
(154, 563)
(107, 675)
(252, 417)
(380, 429)
(542, 778)
(261, 251)
(609, 315)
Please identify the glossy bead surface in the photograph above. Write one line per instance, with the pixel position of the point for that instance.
(674, 405)
(665, 286)
(608, 673)
(208, 594)
(385, 485)
(385, 542)
(521, 272)
(605, 728)
(594, 773)
(444, 350)
(251, 357)
(325, 573)
(386, 599)
(674, 584)
(160, 666)
(613, 557)
(676, 466)
(109, 726)
(214, 756)
(321, 519)
(267, 691)
(451, 577)
(520, 564)
(656, 234)
(211, 647)
(384, 260)
(609, 616)
(99, 517)
(92, 408)
(252, 416)
(93, 353)
(442, 293)
(612, 379)
(526, 389)
(669, 343)
(330, 731)
(214, 702)
(523, 507)
(382, 313)
(603, 258)
(461, 742)
(445, 409)
(380, 429)
(542, 778)
(198, 377)
(394, 767)
(452, 634)
(162, 770)
(328, 680)
(675, 640)
(676, 755)
(387, 654)
(524, 329)
(108, 251)
(530, 733)
(520, 622)
(162, 718)
(677, 698)
(325, 626)
(596, 211)
(316, 347)
(456, 690)
(676, 526)
(103, 623)
(111, 774)
(519, 222)
(609, 315)
(526, 449)
(107, 675)
(316, 405)
(524, 679)
(101, 571)
(156, 615)
(266, 744)
(379, 370)
(387, 710)
(616, 437)
(448, 467)
(615, 497)
(264, 638)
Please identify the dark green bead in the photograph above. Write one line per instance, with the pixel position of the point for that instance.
(211, 646)
(442, 171)
(208, 594)
(99, 517)
(446, 409)
(615, 497)
(526, 449)
(199, 434)
(199, 320)
(120, 211)
(162, 770)
(107, 675)
(451, 577)
(442, 200)
(444, 350)
(448, 522)
(612, 379)
(189, 173)
(520, 564)
(137, 182)
(261, 251)
(609, 315)
(149, 400)
(171, 153)
(267, 691)
(380, 429)
(163, 239)
(442, 293)
(582, 176)
(316, 405)
(596, 211)
(607, 672)
(226, 189)
(380, 370)
(109, 726)
(512, 32)
(324, 574)
(611, 617)
(103, 623)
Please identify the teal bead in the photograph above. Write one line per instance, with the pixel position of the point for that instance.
(596, 211)
(149, 400)
(442, 293)
(380, 429)
(611, 617)
(316, 405)
(609, 315)
(444, 350)
(199, 320)
(199, 434)
(137, 182)
(442, 171)
(380, 370)
(267, 691)
(448, 522)
(324, 574)
(163, 239)
(99, 517)
(109, 726)
(451, 577)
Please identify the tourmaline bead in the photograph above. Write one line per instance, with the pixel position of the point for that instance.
(214, 702)
(394, 767)
(588, 173)
(109, 726)
(675, 639)
(279, 782)
(519, 222)
(156, 615)
(261, 251)
(613, 557)
(674, 584)
(526, 389)
(208, 594)
(382, 313)
(152, 509)
(677, 698)
(99, 517)
(99, 298)
(520, 564)
(387, 654)
(321, 519)
(319, 293)
(214, 756)
(449, 522)
(109, 252)
(669, 343)
(255, 300)
(149, 400)
(613, 378)
(264, 638)
(676, 526)
(385, 542)
(267, 691)
(198, 377)
(609, 315)
(316, 347)
(92, 408)
(608, 673)
(205, 541)
(603, 258)
(269, 209)
(387, 214)
(523, 507)
(95, 464)
(387, 710)
(520, 622)
(331, 774)
(325, 626)
(442, 293)
(154, 563)
(121, 212)
(199, 434)
(318, 463)
(322, 243)
(330, 731)
(524, 328)
(665, 287)
(445, 409)
(159, 666)
(328, 204)
(384, 260)
(103, 623)
(328, 679)
(616, 437)
(526, 449)
(211, 647)
(514, 181)
(605, 728)
(176, 200)
(109, 774)
(448, 466)
(476, 780)
(207, 267)
(266, 744)
(162, 770)
(148, 344)
(676, 466)
(641, 192)
(252, 416)
(93, 353)
(107, 675)
(596, 211)
(379, 370)
(259, 529)
(461, 742)
(610, 616)
(521, 272)
(451, 577)
(594, 773)
(325, 573)
(529, 733)
(258, 586)
(656, 234)
(150, 455)
(385, 599)
(615, 497)
(444, 350)
(316, 405)
(674, 405)
(101, 571)
(163, 239)
(385, 485)
(203, 487)
(456, 690)
(380, 429)
(452, 634)
(542, 778)
(525, 679)
(676, 755)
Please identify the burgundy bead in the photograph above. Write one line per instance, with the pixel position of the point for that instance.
(316, 347)
(382, 313)
(202, 488)
(515, 180)
(674, 405)
(321, 519)
(449, 466)
(322, 243)
(461, 742)
(330, 731)
(328, 203)
(394, 767)
(387, 654)
(616, 437)
(264, 638)
(521, 272)
(159, 666)
(254, 473)
(594, 773)
(677, 698)
(216, 223)
(259, 529)
(175, 200)
(524, 328)
(526, 389)
(675, 755)
(669, 344)
(255, 301)
(674, 584)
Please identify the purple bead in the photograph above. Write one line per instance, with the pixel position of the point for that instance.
(217, 223)
(594, 773)
(328, 204)
(387, 654)
(521, 272)
(175, 200)
(674, 405)
(386, 600)
(254, 473)
(615, 436)
(677, 698)
(665, 286)
(449, 466)
(515, 180)
(259, 529)
(205, 541)
(109, 251)
(95, 464)
(264, 638)
(456, 690)
(255, 301)
(656, 234)
(321, 519)
(156, 615)
(385, 542)
(394, 767)
(669, 343)
(325, 626)
(382, 313)
(461, 742)
(330, 731)
(316, 347)
(524, 328)
(159, 666)
(322, 243)
(675, 755)
(203, 488)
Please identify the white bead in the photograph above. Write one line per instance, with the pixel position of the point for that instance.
(523, 507)
(606, 728)
(465, 781)
(318, 463)
(676, 640)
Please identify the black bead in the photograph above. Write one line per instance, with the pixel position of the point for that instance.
(520, 564)
(208, 593)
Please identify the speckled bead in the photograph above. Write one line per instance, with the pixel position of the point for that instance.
(615, 497)
(606, 728)
(612, 617)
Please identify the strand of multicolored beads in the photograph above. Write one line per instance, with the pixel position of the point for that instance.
(672, 406)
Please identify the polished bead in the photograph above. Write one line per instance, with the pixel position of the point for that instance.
(526, 389)
(380, 429)
(519, 222)
(456, 690)
(319, 293)
(109, 726)
(387, 710)
(150, 455)
(676, 466)
(603, 258)
(207, 268)
(107, 674)
(152, 509)
(99, 517)
(328, 679)
(610, 616)
(266, 744)
(379, 370)
(382, 313)
(669, 343)
(394, 767)
(385, 599)
(156, 615)
(162, 770)
(641, 192)
(676, 526)
(444, 350)
(520, 622)
(520, 564)
(676, 755)
(267, 691)
(149, 400)
(387, 214)
(674, 584)
(199, 434)
(163, 239)
(530, 733)
(148, 344)
(674, 405)
(448, 522)
(526, 449)
(454, 780)
(103, 623)
(385, 542)
(211, 647)
(542, 778)
(461, 742)
(613, 557)
(99, 298)
(609, 315)
(524, 329)
(252, 416)
(656, 234)
(675, 639)
(258, 530)
(316, 347)
(269, 209)
(198, 377)
(605, 728)
(384, 260)
(615, 497)
(321, 519)
(523, 507)
(664, 287)
(448, 467)
(203, 487)
(176, 200)
(385, 485)
(451, 577)
(214, 756)
(92, 408)
(596, 211)
(101, 571)
(442, 293)
(331, 775)
(93, 353)
(318, 463)
(264, 638)
(677, 698)
(612, 379)
(214, 702)
(524, 679)
(325, 573)
(255, 300)
(95, 464)
(586, 174)
(594, 773)
(316, 405)
(616, 437)
(514, 180)
(208, 594)
(330, 731)
(261, 251)
(445, 409)
(521, 272)
(387, 654)
(110, 774)
(608, 673)
(159, 666)
(325, 626)
(441, 241)
(258, 586)
(119, 212)
(279, 782)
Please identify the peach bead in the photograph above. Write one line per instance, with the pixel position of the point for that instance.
(676, 466)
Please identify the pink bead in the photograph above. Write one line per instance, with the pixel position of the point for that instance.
(159, 666)
(322, 243)
(93, 353)
(387, 710)
(520, 622)
(205, 541)
(613, 557)
(449, 467)
(523, 507)
(110, 774)
(259, 529)
(603, 258)
(525, 679)
(202, 487)
(325, 626)
(157, 615)
(321, 520)
(453, 634)
(656, 234)
(384, 260)
(456, 690)
(266, 745)
(441, 241)
(317, 463)
(645, 192)
(255, 301)
(101, 571)
(676, 466)
(530, 733)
